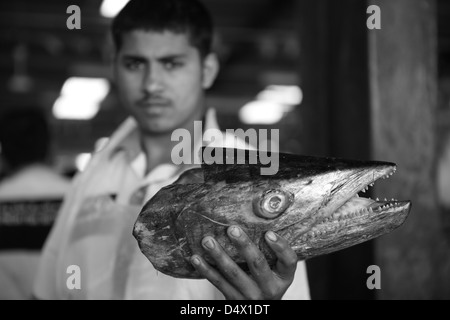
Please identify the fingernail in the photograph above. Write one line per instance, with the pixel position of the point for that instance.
(208, 243)
(235, 232)
(271, 236)
(195, 261)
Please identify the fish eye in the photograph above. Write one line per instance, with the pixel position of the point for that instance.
(272, 203)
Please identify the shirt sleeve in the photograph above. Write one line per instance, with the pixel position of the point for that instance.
(45, 282)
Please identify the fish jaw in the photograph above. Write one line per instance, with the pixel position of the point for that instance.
(342, 218)
(353, 224)
(317, 196)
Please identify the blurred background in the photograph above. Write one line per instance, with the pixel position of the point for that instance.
(311, 69)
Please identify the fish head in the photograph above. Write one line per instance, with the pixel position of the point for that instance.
(313, 202)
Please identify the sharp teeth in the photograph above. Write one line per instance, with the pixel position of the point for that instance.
(378, 200)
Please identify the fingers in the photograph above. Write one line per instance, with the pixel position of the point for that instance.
(269, 285)
(286, 257)
(228, 277)
(270, 282)
(215, 278)
(231, 280)
(256, 261)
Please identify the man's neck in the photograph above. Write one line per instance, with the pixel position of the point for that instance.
(158, 148)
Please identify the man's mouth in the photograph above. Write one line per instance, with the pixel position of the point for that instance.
(153, 103)
(154, 106)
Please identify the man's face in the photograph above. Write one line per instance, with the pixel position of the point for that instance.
(161, 80)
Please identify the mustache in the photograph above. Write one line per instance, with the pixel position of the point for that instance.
(153, 100)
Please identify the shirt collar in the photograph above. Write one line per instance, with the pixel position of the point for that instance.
(166, 169)
(210, 123)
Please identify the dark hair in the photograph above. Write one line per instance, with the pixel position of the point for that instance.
(179, 16)
(24, 136)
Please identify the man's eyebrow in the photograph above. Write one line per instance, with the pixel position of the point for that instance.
(172, 57)
(133, 57)
(168, 57)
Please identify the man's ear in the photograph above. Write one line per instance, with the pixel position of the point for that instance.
(210, 70)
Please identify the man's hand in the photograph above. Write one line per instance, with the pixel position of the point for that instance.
(233, 282)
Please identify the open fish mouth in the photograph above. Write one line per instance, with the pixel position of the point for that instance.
(358, 206)
(357, 220)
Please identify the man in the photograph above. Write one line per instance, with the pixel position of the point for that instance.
(28, 179)
(162, 67)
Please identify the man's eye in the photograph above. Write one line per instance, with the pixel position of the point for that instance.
(172, 65)
(134, 65)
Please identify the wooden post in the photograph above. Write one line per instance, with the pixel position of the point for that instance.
(414, 259)
(335, 119)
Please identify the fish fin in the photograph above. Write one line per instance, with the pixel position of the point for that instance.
(191, 176)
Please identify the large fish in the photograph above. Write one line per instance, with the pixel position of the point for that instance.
(312, 202)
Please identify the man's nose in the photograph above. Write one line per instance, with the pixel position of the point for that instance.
(153, 80)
